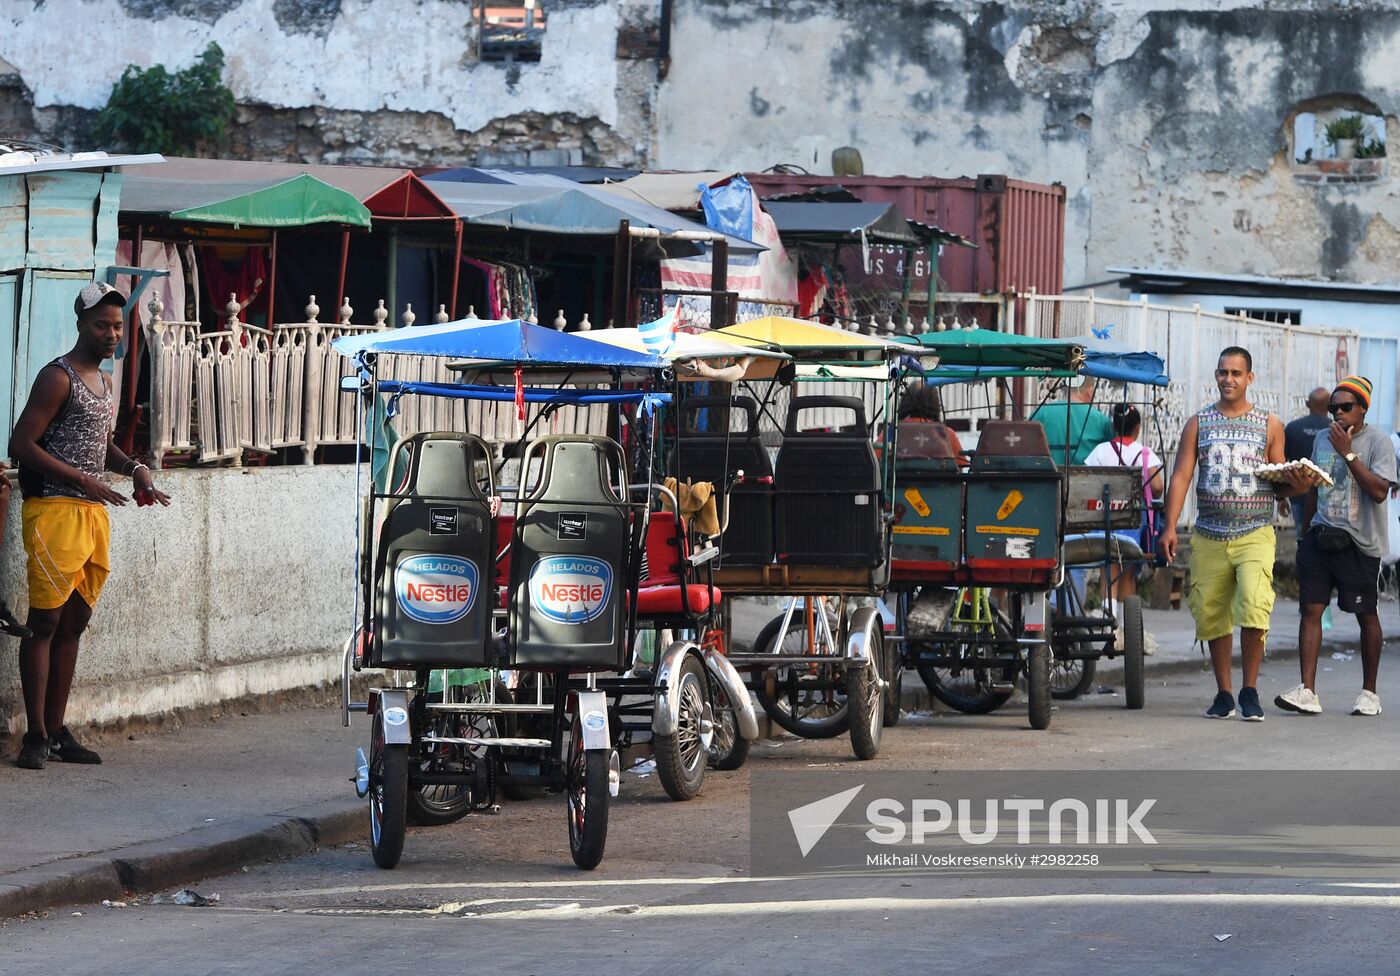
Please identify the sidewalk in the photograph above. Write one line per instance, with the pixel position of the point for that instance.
(173, 806)
(170, 807)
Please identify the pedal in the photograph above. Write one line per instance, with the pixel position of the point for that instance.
(1003, 687)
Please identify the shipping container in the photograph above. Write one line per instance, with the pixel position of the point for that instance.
(1018, 226)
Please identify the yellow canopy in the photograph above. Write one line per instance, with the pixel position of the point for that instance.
(706, 356)
(792, 335)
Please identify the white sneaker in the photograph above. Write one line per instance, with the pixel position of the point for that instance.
(1301, 699)
(1367, 703)
(1149, 645)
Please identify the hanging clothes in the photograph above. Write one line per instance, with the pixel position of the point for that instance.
(170, 289)
(239, 271)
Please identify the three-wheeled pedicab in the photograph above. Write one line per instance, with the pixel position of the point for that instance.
(963, 538)
(537, 618)
(808, 527)
(1106, 512)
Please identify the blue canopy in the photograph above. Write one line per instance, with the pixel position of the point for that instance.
(1109, 359)
(532, 394)
(508, 341)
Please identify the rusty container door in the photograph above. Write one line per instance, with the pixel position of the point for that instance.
(1018, 226)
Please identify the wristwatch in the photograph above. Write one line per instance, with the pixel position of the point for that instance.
(1350, 457)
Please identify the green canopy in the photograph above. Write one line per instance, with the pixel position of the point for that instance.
(989, 349)
(294, 202)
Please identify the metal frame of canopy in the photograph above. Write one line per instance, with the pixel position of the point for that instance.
(519, 344)
(818, 352)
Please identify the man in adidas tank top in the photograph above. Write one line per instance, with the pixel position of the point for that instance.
(63, 443)
(1232, 542)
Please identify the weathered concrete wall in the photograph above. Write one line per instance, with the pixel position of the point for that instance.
(1169, 122)
(242, 586)
(394, 81)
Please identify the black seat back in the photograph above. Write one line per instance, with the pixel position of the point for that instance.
(827, 490)
(434, 556)
(715, 455)
(571, 560)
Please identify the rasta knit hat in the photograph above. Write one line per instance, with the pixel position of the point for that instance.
(1359, 387)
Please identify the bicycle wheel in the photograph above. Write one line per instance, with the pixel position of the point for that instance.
(1134, 678)
(388, 801)
(806, 700)
(968, 684)
(588, 801)
(728, 748)
(681, 756)
(1071, 677)
(866, 703)
(433, 805)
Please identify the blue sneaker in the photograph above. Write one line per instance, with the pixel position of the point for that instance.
(1222, 707)
(1250, 709)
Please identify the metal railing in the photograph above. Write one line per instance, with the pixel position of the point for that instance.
(1289, 360)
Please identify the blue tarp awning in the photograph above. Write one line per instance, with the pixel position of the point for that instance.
(552, 205)
(509, 341)
(1109, 359)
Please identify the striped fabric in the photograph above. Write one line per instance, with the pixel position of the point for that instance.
(1358, 386)
(659, 335)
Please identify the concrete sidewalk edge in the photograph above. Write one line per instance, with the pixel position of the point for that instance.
(917, 698)
(156, 865)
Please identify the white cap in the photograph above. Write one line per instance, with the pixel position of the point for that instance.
(93, 293)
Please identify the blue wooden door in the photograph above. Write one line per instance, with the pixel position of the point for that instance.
(9, 323)
(47, 326)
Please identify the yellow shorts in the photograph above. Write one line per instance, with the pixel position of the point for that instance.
(66, 540)
(1232, 583)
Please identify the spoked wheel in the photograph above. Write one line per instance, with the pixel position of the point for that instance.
(728, 747)
(587, 778)
(1038, 685)
(893, 670)
(805, 699)
(435, 804)
(1071, 677)
(681, 757)
(388, 796)
(968, 685)
(1134, 678)
(866, 701)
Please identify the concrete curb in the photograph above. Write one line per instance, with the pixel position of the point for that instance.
(156, 865)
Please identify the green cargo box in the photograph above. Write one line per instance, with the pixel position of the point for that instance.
(1012, 530)
(928, 530)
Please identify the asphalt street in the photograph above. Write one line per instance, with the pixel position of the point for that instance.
(674, 893)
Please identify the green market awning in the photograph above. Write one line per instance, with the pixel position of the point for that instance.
(987, 348)
(296, 202)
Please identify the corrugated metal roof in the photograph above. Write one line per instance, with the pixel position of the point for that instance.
(387, 191)
(24, 162)
(1263, 281)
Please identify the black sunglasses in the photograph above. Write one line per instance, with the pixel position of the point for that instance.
(1341, 407)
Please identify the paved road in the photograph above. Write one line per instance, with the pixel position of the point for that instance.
(499, 892)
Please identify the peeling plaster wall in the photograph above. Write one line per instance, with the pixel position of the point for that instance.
(200, 607)
(347, 80)
(1166, 121)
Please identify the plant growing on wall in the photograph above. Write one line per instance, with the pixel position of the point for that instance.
(153, 110)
